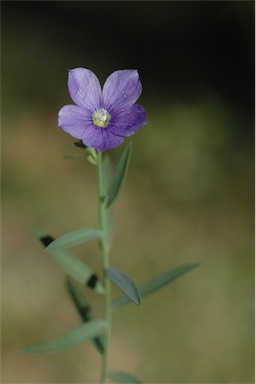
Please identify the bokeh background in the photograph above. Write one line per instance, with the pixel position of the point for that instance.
(188, 197)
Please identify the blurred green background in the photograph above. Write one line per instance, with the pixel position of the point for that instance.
(188, 197)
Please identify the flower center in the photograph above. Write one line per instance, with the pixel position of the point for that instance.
(101, 118)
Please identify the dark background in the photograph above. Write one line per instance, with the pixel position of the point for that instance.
(182, 49)
(189, 195)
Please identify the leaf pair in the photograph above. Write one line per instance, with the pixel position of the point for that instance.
(71, 265)
(134, 293)
(90, 330)
(85, 312)
(156, 283)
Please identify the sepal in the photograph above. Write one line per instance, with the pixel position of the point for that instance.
(93, 156)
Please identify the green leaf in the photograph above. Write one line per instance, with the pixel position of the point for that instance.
(124, 283)
(73, 266)
(79, 301)
(76, 156)
(77, 336)
(73, 238)
(108, 216)
(119, 176)
(123, 378)
(77, 269)
(157, 282)
(85, 312)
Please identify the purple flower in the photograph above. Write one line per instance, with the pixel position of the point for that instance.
(102, 118)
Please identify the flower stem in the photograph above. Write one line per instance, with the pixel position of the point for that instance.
(105, 256)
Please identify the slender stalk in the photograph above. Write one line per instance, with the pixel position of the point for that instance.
(105, 256)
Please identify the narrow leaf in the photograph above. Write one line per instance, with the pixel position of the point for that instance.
(73, 238)
(123, 378)
(77, 336)
(75, 156)
(78, 299)
(119, 176)
(124, 283)
(157, 282)
(73, 266)
(108, 216)
(85, 312)
(165, 278)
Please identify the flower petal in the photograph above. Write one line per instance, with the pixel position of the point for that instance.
(73, 119)
(84, 88)
(101, 138)
(129, 121)
(121, 89)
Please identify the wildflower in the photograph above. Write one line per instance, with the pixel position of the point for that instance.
(102, 118)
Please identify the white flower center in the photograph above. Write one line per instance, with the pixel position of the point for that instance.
(101, 118)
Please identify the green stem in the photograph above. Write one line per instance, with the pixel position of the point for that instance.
(105, 255)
